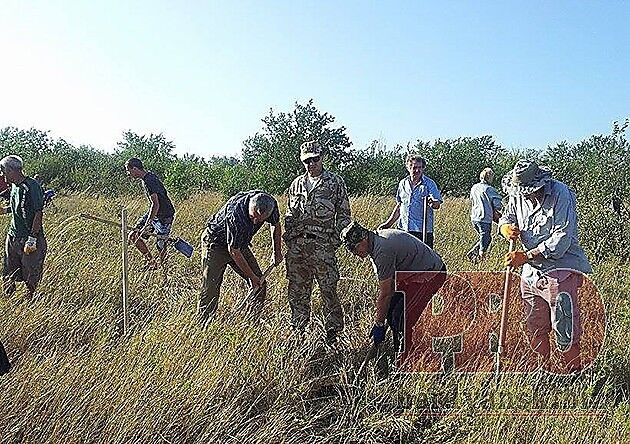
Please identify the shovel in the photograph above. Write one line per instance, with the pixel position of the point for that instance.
(178, 243)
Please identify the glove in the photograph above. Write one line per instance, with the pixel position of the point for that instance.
(515, 259)
(510, 231)
(378, 333)
(30, 246)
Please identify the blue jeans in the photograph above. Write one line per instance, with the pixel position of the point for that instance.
(484, 230)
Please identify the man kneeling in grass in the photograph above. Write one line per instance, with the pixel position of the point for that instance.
(158, 220)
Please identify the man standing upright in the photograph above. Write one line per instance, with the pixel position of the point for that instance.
(25, 248)
(410, 202)
(226, 241)
(158, 219)
(485, 207)
(317, 210)
(541, 213)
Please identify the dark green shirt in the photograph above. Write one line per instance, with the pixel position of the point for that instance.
(27, 198)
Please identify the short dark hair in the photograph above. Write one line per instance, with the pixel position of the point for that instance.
(416, 158)
(134, 162)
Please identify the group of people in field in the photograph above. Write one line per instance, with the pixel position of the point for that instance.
(540, 212)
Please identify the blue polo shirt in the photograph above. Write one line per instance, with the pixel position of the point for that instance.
(411, 200)
(231, 225)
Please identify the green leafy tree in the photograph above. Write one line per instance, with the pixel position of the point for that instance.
(271, 156)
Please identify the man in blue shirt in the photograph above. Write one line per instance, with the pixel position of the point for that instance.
(541, 213)
(410, 202)
(226, 241)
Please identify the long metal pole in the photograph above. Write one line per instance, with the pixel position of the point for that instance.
(125, 267)
(425, 218)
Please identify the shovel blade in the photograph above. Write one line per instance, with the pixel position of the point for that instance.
(183, 247)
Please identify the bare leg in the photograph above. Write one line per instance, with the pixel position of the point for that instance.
(136, 239)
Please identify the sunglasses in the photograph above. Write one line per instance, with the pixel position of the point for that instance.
(311, 160)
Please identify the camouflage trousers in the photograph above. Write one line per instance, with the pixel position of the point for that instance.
(306, 260)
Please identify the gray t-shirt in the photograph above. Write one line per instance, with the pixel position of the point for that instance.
(396, 250)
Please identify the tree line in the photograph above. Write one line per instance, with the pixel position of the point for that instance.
(597, 168)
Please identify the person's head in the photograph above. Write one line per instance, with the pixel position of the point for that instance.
(311, 156)
(415, 165)
(526, 179)
(11, 168)
(261, 206)
(135, 168)
(486, 175)
(355, 238)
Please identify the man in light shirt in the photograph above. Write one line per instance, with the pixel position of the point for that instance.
(541, 213)
(410, 202)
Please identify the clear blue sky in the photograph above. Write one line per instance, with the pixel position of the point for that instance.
(531, 73)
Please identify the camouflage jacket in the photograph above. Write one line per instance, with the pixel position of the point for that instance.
(323, 212)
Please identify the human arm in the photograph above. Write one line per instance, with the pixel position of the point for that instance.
(276, 243)
(392, 218)
(153, 211)
(385, 292)
(342, 208)
(564, 224)
(508, 223)
(242, 263)
(434, 198)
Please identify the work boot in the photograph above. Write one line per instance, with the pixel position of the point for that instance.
(331, 337)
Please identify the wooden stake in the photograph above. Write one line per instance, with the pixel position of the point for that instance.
(125, 266)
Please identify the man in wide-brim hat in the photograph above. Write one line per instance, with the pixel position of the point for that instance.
(541, 213)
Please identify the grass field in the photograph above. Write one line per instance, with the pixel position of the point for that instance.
(76, 378)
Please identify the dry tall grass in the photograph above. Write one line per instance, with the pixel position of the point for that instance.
(77, 379)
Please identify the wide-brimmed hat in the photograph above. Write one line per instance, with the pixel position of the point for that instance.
(352, 234)
(525, 178)
(309, 150)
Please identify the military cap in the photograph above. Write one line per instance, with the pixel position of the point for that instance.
(352, 234)
(309, 150)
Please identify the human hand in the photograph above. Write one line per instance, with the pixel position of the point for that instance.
(378, 333)
(30, 246)
(515, 259)
(510, 231)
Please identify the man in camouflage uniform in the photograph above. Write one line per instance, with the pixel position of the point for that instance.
(317, 210)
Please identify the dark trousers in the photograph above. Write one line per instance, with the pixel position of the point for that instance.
(215, 259)
(428, 240)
